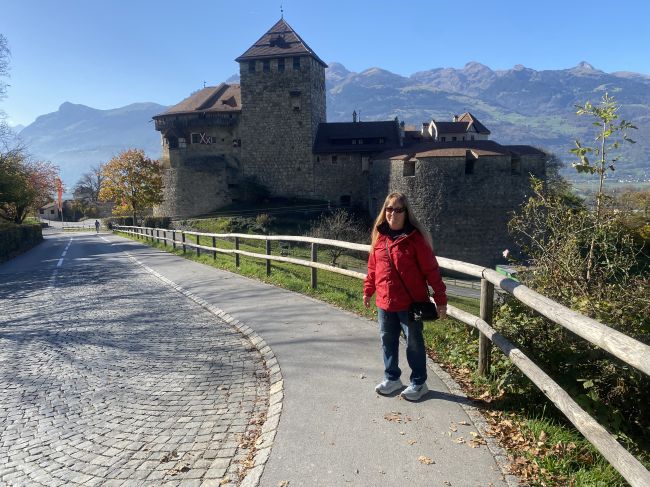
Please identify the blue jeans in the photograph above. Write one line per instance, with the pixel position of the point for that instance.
(390, 325)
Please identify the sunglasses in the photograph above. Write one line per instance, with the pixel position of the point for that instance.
(390, 209)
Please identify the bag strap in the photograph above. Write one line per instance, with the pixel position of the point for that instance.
(392, 266)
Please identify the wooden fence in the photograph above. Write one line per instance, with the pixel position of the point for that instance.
(627, 349)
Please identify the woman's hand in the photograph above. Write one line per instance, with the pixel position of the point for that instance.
(442, 312)
(366, 301)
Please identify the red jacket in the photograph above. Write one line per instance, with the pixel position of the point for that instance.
(417, 265)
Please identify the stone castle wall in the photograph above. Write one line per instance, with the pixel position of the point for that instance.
(198, 178)
(279, 122)
(467, 214)
(346, 177)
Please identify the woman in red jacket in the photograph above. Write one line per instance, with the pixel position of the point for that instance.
(396, 230)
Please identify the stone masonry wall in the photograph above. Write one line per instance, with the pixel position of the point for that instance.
(276, 138)
(196, 178)
(345, 177)
(474, 208)
(193, 191)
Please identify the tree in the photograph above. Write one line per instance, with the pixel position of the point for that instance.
(339, 225)
(133, 182)
(88, 187)
(25, 185)
(611, 133)
(5, 131)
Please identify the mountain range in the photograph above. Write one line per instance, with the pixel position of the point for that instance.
(518, 105)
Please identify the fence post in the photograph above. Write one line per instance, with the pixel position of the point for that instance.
(183, 240)
(198, 250)
(484, 345)
(157, 235)
(214, 246)
(268, 261)
(314, 271)
(237, 248)
(174, 239)
(165, 237)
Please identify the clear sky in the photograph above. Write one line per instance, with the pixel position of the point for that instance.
(110, 53)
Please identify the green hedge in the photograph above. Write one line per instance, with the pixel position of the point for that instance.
(15, 239)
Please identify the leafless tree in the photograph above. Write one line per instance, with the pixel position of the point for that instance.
(88, 187)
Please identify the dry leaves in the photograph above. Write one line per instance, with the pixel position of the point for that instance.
(425, 460)
(396, 417)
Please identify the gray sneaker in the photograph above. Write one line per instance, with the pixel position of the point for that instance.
(388, 386)
(414, 393)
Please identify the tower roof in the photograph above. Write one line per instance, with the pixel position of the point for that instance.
(280, 41)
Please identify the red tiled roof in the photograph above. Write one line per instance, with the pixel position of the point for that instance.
(280, 41)
(222, 98)
(446, 149)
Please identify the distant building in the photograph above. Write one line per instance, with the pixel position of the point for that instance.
(49, 211)
(271, 127)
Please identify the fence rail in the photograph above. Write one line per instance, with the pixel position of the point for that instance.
(625, 348)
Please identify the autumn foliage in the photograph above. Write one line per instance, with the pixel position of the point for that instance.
(25, 185)
(133, 182)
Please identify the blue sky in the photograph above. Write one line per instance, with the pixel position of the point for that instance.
(107, 54)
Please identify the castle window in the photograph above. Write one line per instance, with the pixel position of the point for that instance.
(472, 137)
(463, 137)
(182, 144)
(317, 158)
(360, 141)
(335, 159)
(381, 140)
(354, 141)
(296, 63)
(443, 139)
(173, 142)
(266, 65)
(409, 169)
(281, 65)
(251, 66)
(295, 100)
(453, 139)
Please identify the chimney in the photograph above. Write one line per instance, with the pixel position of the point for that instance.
(425, 128)
(401, 132)
(455, 118)
(354, 116)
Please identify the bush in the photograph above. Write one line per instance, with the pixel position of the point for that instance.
(15, 239)
(600, 271)
(157, 221)
(126, 221)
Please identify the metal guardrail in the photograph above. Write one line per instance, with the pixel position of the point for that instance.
(625, 348)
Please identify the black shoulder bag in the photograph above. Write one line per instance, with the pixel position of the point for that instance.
(418, 310)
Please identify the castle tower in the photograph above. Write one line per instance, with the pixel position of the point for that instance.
(283, 98)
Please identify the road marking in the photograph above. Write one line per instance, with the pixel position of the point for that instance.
(65, 251)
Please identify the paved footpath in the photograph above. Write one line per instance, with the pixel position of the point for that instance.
(332, 429)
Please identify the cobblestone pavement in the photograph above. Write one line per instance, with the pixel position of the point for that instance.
(110, 377)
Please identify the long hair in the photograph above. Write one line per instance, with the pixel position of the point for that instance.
(410, 218)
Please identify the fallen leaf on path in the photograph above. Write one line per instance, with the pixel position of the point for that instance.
(464, 423)
(460, 440)
(412, 442)
(425, 460)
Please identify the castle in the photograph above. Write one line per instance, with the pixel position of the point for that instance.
(272, 127)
